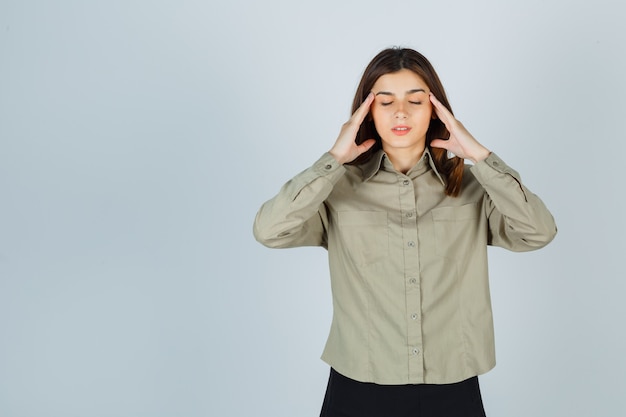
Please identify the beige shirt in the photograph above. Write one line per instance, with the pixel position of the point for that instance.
(408, 264)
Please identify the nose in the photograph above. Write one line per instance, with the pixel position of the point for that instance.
(400, 111)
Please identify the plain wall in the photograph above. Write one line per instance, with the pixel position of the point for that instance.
(139, 138)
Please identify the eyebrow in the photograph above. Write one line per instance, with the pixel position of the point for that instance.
(415, 90)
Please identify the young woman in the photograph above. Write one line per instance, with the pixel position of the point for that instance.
(406, 226)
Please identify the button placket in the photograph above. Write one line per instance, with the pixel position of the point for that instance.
(409, 223)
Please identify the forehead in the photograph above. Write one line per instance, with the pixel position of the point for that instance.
(399, 82)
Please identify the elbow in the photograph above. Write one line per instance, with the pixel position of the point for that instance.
(545, 238)
(541, 231)
(262, 235)
(552, 235)
(264, 238)
(548, 231)
(541, 237)
(269, 236)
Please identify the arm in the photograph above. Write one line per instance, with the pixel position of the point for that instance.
(518, 219)
(296, 216)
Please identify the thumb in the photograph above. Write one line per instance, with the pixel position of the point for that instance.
(366, 145)
(439, 143)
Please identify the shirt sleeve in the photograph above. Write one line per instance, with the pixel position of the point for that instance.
(518, 219)
(296, 216)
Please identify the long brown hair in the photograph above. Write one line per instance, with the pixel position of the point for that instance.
(393, 60)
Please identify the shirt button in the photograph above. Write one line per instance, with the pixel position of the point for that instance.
(411, 244)
(415, 351)
(409, 215)
(406, 182)
(413, 281)
(414, 316)
(495, 163)
(328, 166)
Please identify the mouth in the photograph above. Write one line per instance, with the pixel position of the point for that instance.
(400, 130)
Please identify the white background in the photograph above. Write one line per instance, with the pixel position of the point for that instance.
(138, 139)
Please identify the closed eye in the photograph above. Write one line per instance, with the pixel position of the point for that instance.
(386, 104)
(415, 102)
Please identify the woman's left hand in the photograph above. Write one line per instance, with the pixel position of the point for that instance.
(461, 142)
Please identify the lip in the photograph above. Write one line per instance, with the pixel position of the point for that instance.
(400, 130)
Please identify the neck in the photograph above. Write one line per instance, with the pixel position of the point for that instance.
(404, 159)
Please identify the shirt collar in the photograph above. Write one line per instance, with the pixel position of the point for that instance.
(375, 163)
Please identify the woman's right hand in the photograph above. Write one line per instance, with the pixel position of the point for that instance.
(345, 148)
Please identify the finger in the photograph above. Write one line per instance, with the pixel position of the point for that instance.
(442, 111)
(364, 147)
(364, 108)
(440, 143)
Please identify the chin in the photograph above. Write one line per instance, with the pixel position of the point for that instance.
(402, 143)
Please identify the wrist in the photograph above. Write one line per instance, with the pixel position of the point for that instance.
(480, 155)
(341, 160)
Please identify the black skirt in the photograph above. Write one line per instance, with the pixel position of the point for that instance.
(346, 397)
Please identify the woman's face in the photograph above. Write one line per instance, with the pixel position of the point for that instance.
(401, 111)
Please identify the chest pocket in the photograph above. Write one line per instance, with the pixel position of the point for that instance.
(365, 235)
(456, 229)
